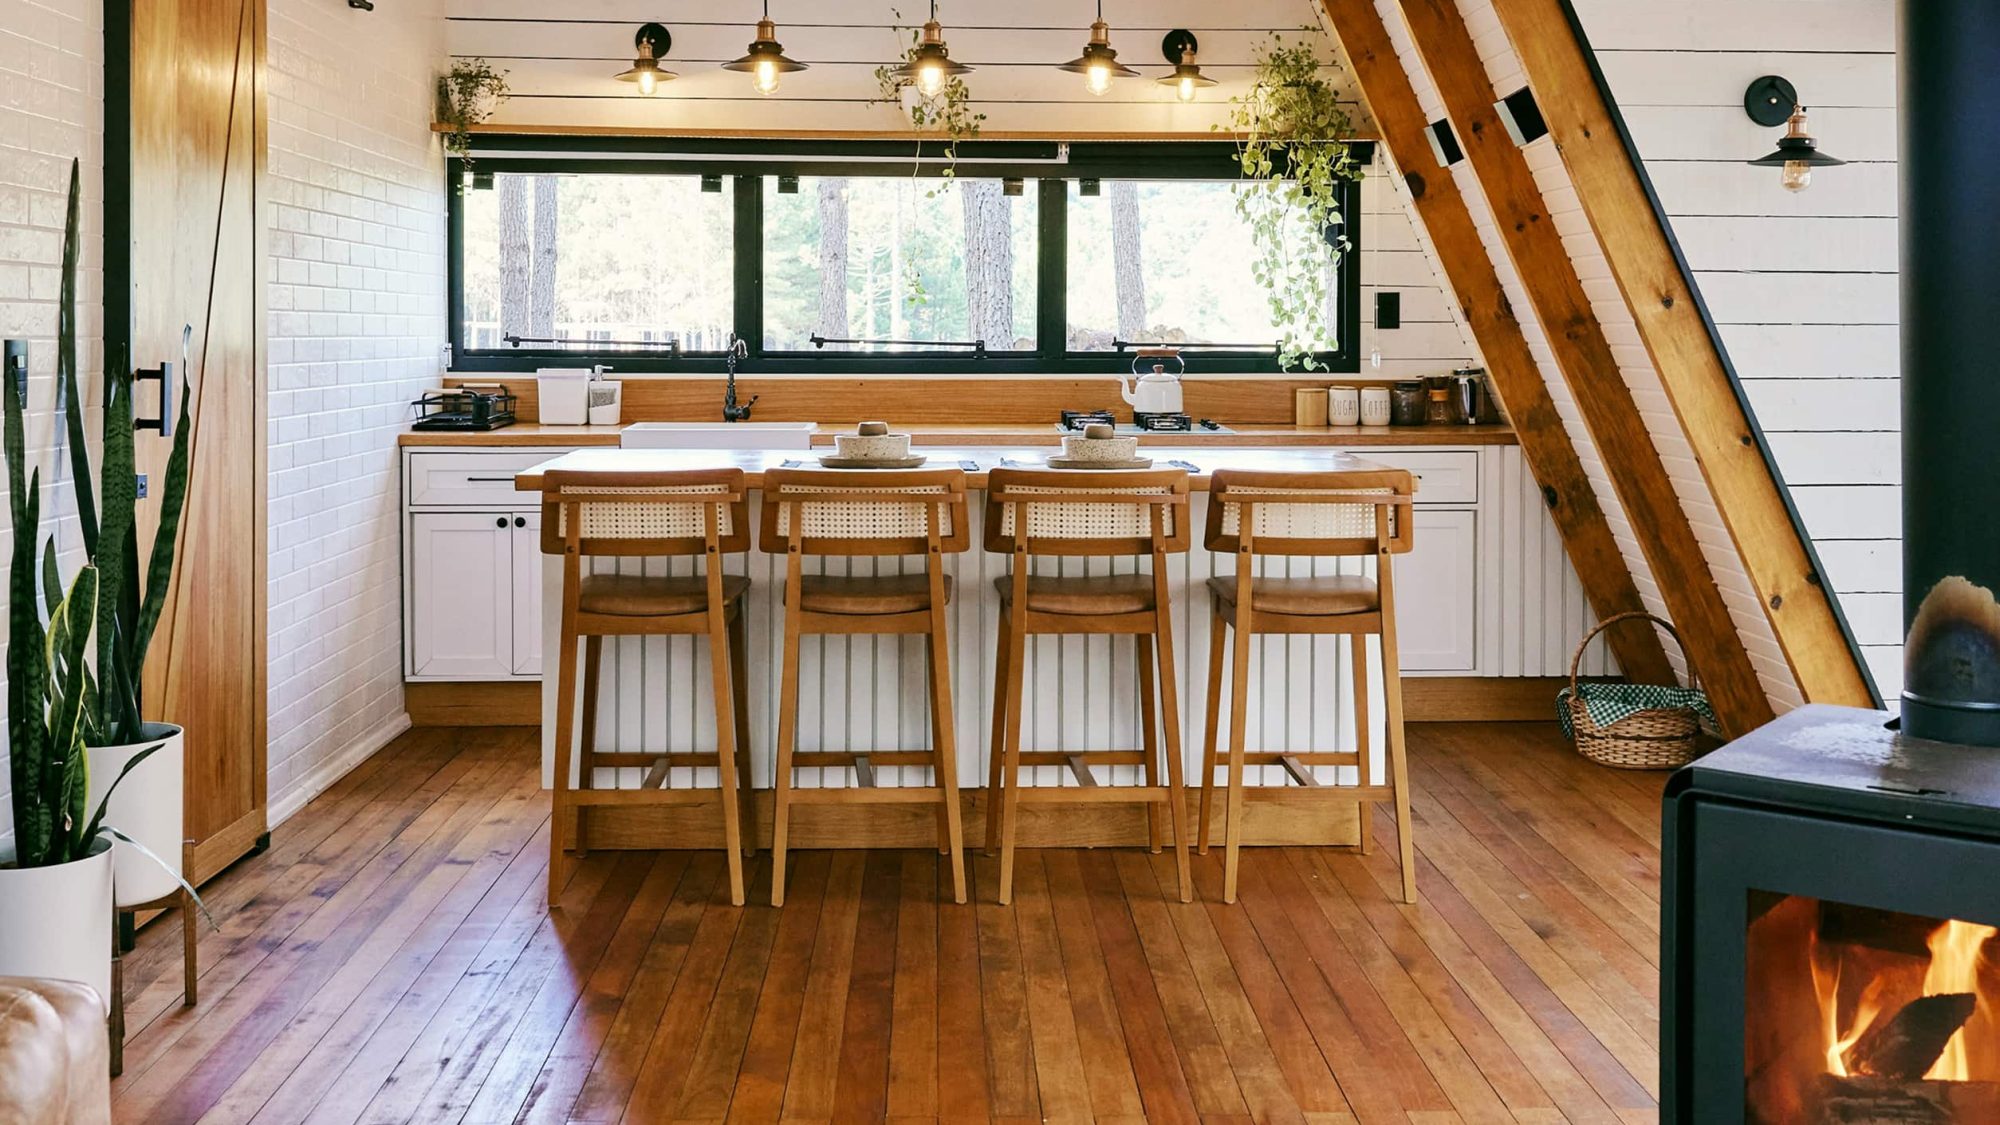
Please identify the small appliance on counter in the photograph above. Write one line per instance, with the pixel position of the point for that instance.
(1073, 421)
(467, 407)
(1471, 396)
(871, 446)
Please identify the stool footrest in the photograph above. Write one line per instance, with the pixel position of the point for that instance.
(1347, 792)
(867, 795)
(589, 797)
(1088, 757)
(1093, 794)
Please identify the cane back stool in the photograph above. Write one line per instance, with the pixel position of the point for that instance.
(867, 513)
(698, 512)
(1090, 513)
(1353, 513)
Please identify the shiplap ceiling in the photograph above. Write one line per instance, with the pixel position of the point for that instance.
(560, 60)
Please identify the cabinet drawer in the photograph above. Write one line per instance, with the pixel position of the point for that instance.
(1443, 476)
(472, 480)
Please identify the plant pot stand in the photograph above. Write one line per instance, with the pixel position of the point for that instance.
(122, 941)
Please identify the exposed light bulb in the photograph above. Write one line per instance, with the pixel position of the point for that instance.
(765, 77)
(1097, 78)
(1797, 175)
(930, 77)
(649, 81)
(1184, 89)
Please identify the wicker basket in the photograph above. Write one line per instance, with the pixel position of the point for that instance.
(1656, 739)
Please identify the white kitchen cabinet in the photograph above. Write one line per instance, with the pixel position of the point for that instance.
(527, 599)
(1437, 593)
(461, 611)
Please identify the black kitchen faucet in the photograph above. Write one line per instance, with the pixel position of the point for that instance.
(730, 411)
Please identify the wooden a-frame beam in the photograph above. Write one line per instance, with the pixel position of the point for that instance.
(1691, 368)
(1714, 647)
(1545, 443)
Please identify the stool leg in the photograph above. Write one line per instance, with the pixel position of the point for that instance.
(190, 933)
(559, 802)
(1010, 781)
(739, 683)
(1170, 720)
(586, 766)
(945, 750)
(1232, 831)
(725, 753)
(1399, 764)
(996, 749)
(1149, 735)
(1362, 738)
(1218, 636)
(788, 733)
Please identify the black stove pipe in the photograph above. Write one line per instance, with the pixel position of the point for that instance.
(1949, 59)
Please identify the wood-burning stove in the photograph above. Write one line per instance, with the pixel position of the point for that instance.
(1829, 896)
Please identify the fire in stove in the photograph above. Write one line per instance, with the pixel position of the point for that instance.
(1857, 1015)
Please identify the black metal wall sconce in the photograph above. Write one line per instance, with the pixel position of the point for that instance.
(652, 41)
(1179, 48)
(1771, 101)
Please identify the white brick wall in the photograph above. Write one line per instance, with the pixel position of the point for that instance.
(51, 109)
(357, 326)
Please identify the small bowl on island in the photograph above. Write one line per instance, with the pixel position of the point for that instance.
(871, 446)
(1099, 447)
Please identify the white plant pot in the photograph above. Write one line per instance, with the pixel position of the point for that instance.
(146, 807)
(57, 920)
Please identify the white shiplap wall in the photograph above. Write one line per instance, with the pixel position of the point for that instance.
(356, 331)
(1803, 286)
(51, 109)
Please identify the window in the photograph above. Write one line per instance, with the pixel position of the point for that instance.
(1032, 258)
(623, 262)
(895, 264)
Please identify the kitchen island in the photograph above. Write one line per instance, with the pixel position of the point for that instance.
(868, 692)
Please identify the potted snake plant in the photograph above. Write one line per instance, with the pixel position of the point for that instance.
(148, 810)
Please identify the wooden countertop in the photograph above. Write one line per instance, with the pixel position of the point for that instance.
(975, 434)
(981, 458)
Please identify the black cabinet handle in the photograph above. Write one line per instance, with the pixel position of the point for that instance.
(520, 521)
(501, 522)
(165, 374)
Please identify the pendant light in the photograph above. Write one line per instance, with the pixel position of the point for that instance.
(766, 59)
(1179, 48)
(930, 65)
(1099, 63)
(652, 42)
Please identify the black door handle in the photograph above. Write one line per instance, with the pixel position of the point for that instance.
(520, 521)
(165, 374)
(501, 522)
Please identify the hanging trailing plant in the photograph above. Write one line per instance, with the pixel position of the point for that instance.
(948, 112)
(1292, 148)
(467, 95)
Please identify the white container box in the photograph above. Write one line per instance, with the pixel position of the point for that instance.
(563, 396)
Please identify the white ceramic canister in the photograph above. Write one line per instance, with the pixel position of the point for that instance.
(1374, 406)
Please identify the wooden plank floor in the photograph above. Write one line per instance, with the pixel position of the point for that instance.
(390, 959)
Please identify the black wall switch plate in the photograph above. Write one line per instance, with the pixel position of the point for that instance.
(1389, 310)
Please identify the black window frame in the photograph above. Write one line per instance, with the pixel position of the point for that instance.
(1048, 166)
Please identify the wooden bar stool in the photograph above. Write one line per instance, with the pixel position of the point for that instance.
(684, 512)
(867, 513)
(1321, 514)
(1094, 513)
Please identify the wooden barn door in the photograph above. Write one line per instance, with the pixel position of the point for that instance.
(185, 154)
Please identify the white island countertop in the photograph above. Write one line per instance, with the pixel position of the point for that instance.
(975, 460)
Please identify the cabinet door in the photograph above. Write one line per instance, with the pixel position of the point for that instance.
(1437, 587)
(527, 597)
(461, 595)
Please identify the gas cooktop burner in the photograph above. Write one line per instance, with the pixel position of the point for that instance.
(1073, 421)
